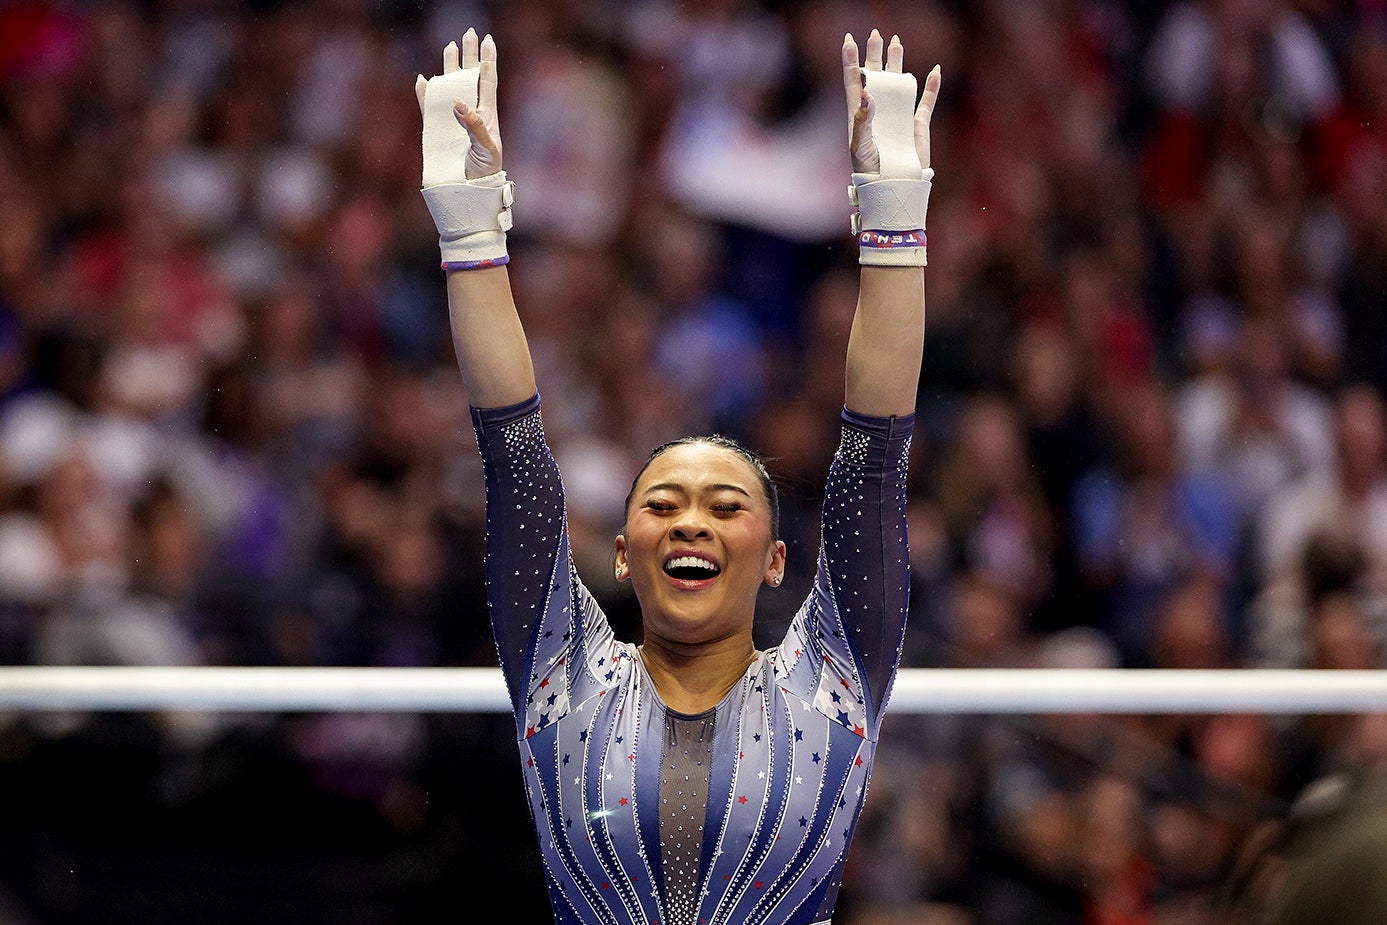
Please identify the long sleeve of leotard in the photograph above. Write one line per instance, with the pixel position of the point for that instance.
(853, 623)
(553, 641)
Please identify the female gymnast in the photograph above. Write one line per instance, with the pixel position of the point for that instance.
(692, 779)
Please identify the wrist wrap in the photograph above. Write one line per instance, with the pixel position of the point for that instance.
(472, 218)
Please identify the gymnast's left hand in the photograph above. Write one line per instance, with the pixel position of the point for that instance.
(484, 153)
(861, 107)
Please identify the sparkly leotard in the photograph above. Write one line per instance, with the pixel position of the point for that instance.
(785, 757)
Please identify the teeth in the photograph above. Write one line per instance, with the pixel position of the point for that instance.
(691, 562)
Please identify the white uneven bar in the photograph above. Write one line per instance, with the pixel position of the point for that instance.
(473, 690)
(482, 690)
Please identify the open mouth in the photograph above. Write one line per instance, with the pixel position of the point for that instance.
(691, 569)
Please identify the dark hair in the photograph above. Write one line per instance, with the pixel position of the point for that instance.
(1320, 862)
(727, 443)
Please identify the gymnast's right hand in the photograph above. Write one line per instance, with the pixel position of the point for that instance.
(467, 192)
(476, 115)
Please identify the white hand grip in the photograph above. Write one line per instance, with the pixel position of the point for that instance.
(893, 124)
(445, 141)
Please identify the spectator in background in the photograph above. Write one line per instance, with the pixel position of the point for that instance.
(1350, 497)
(705, 340)
(1064, 439)
(222, 344)
(1144, 525)
(1322, 864)
(1323, 536)
(1194, 630)
(1352, 142)
(985, 624)
(1255, 425)
(310, 390)
(723, 155)
(571, 126)
(1225, 76)
(1000, 525)
(1354, 159)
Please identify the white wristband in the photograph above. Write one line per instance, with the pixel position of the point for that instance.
(472, 218)
(890, 219)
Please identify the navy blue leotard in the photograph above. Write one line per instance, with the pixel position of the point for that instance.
(788, 751)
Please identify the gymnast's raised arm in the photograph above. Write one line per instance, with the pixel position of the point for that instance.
(469, 197)
(891, 183)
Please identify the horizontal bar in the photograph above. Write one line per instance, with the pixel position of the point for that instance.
(1133, 691)
(423, 690)
(482, 690)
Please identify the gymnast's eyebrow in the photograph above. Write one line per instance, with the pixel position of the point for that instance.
(675, 486)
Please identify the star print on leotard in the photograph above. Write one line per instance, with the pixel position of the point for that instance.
(783, 768)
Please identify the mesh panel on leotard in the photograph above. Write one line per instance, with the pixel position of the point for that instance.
(684, 768)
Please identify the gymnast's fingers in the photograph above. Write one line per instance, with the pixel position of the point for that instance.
(852, 75)
(486, 81)
(923, 112)
(469, 47)
(895, 53)
(874, 44)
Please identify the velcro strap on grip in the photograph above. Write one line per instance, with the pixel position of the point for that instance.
(889, 205)
(472, 217)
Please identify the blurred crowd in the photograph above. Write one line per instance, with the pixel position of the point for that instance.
(1152, 429)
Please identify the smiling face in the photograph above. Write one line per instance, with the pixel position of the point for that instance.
(698, 544)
